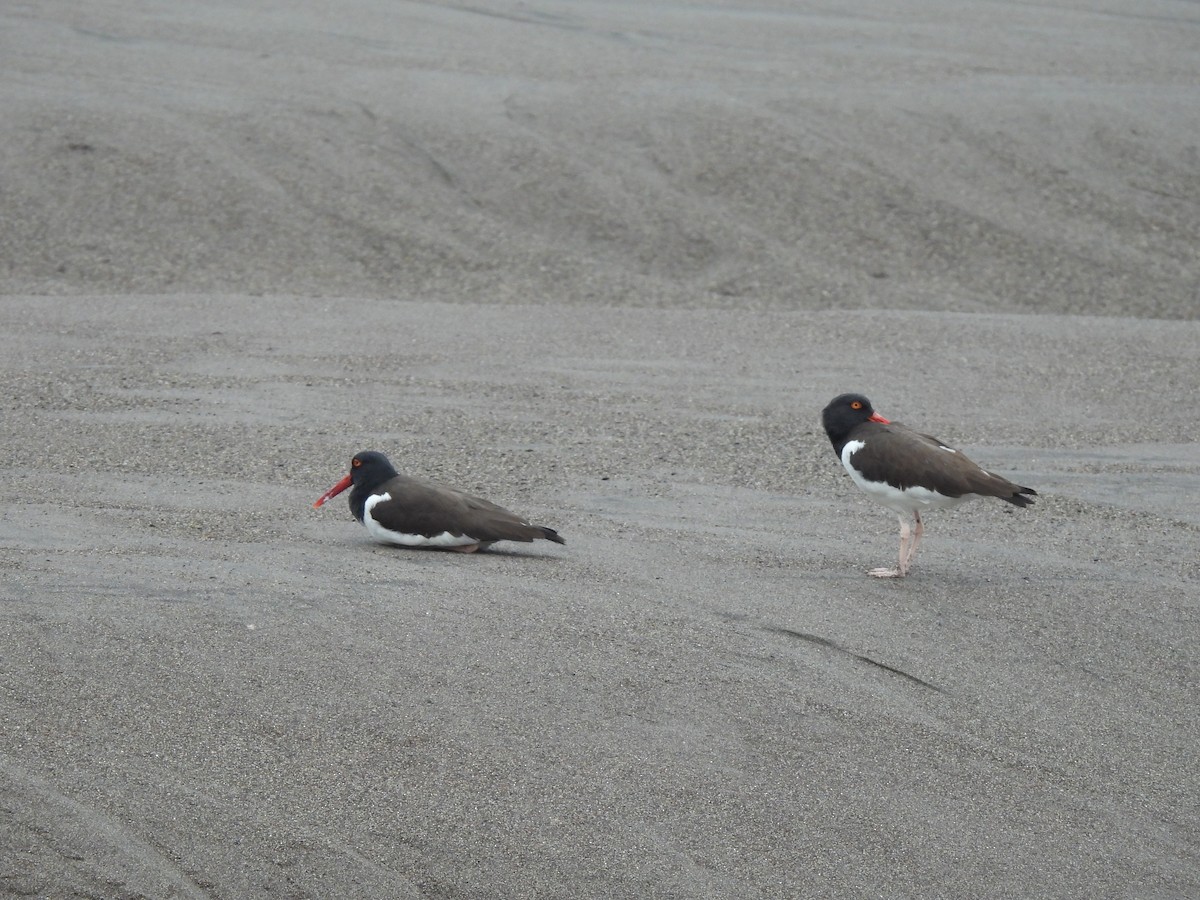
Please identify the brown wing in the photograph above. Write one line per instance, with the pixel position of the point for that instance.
(420, 507)
(905, 458)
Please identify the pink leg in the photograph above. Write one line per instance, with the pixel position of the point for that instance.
(883, 571)
(912, 547)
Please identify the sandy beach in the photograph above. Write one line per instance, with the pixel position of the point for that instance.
(604, 264)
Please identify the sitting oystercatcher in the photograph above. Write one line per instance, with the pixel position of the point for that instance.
(907, 471)
(398, 509)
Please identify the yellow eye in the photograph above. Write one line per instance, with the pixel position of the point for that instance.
(855, 405)
(355, 463)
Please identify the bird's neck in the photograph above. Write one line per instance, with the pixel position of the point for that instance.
(838, 439)
(358, 501)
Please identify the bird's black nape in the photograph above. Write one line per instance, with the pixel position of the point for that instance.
(844, 413)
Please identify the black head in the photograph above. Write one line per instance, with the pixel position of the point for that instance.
(369, 469)
(845, 413)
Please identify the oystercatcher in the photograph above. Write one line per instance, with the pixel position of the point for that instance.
(398, 509)
(907, 471)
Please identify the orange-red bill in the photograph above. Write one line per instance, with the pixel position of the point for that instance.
(876, 417)
(333, 491)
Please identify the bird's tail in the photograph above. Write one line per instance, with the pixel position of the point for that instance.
(550, 534)
(1021, 496)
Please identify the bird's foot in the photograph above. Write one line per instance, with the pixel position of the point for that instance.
(884, 572)
(468, 548)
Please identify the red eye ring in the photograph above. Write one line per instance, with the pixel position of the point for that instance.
(355, 463)
(856, 405)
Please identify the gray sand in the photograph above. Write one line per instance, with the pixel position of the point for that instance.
(603, 263)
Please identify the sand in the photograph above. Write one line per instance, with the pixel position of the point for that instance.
(603, 263)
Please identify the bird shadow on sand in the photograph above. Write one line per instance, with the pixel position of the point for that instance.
(504, 553)
(515, 553)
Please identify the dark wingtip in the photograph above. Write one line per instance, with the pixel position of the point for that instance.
(1019, 497)
(551, 535)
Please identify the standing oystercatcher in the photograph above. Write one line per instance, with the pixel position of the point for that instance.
(907, 471)
(397, 509)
